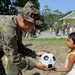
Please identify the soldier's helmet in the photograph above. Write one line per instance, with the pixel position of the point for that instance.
(29, 12)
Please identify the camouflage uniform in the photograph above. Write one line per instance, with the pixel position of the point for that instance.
(68, 29)
(56, 28)
(11, 44)
(63, 28)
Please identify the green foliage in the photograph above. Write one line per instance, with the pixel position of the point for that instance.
(57, 15)
(8, 7)
(50, 17)
(4, 6)
(21, 3)
(46, 13)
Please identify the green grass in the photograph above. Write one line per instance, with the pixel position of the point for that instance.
(45, 39)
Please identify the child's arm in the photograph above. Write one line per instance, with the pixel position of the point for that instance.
(61, 69)
(71, 61)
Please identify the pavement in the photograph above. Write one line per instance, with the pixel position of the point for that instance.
(50, 35)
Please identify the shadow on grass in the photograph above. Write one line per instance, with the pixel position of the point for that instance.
(37, 73)
(30, 44)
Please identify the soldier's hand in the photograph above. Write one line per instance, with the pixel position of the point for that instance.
(41, 66)
(41, 52)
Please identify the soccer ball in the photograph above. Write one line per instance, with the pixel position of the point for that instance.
(48, 59)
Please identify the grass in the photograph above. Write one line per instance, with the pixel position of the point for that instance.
(56, 46)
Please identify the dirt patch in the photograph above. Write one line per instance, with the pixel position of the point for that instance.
(56, 46)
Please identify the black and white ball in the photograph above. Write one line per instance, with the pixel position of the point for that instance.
(48, 59)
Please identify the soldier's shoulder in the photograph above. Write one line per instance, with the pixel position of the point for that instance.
(3, 18)
(6, 18)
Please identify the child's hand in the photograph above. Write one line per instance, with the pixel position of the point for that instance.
(41, 66)
(53, 69)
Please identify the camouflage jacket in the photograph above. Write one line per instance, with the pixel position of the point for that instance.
(11, 43)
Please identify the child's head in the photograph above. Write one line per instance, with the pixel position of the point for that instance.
(71, 40)
(72, 36)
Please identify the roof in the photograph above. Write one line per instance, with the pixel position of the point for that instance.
(69, 16)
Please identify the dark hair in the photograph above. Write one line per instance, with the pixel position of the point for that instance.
(72, 35)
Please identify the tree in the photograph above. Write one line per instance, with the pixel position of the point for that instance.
(9, 6)
(57, 14)
(21, 3)
(47, 16)
(4, 6)
(68, 13)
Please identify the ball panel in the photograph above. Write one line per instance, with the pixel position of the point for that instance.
(46, 58)
(54, 58)
(50, 66)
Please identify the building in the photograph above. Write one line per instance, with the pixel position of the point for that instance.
(70, 18)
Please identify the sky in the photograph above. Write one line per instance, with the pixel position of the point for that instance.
(62, 5)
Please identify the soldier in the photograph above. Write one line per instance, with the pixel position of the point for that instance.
(56, 28)
(63, 28)
(11, 41)
(68, 28)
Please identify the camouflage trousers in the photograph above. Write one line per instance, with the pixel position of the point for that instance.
(2, 69)
(8, 67)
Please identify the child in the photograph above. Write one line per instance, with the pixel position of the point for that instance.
(70, 61)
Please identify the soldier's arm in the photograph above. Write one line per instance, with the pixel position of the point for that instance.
(23, 49)
(26, 51)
